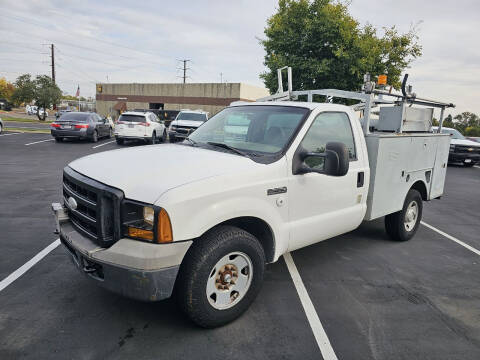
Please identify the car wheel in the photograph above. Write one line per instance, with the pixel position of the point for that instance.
(119, 141)
(95, 136)
(164, 136)
(470, 164)
(220, 276)
(402, 225)
(1, 128)
(153, 140)
(58, 139)
(110, 133)
(172, 138)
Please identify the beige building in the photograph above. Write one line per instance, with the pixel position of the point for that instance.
(112, 99)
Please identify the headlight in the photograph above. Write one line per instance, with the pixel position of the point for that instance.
(146, 222)
(173, 127)
(452, 147)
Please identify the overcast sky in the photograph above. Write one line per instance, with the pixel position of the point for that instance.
(125, 41)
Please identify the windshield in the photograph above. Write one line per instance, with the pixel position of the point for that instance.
(455, 134)
(265, 129)
(132, 118)
(191, 116)
(80, 117)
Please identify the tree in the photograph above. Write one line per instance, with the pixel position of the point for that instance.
(24, 90)
(46, 94)
(327, 48)
(6, 89)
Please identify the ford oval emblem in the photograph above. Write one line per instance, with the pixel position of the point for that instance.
(72, 203)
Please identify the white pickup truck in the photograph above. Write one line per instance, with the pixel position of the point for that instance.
(257, 180)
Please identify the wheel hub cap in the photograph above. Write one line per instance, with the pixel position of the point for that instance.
(411, 216)
(229, 280)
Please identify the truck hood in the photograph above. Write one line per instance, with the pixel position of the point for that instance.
(464, 142)
(189, 123)
(144, 173)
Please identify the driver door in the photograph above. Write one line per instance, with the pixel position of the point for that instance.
(322, 206)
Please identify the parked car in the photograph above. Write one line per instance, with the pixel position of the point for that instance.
(136, 125)
(59, 113)
(81, 125)
(186, 122)
(462, 150)
(5, 105)
(30, 109)
(1, 125)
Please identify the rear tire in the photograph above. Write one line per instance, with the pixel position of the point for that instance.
(58, 139)
(402, 225)
(95, 136)
(119, 141)
(228, 262)
(1, 128)
(469, 164)
(153, 141)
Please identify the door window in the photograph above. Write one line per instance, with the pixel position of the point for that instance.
(328, 127)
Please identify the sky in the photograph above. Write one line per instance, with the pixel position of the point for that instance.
(142, 41)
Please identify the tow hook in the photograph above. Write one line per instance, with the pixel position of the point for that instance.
(89, 269)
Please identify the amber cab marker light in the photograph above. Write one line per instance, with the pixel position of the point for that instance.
(382, 80)
(164, 231)
(140, 233)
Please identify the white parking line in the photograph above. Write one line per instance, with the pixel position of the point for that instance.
(450, 237)
(36, 142)
(11, 134)
(103, 144)
(25, 267)
(312, 316)
(478, 167)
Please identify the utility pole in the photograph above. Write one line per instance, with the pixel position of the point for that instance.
(185, 61)
(221, 78)
(53, 62)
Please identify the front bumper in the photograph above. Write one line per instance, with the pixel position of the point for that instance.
(463, 157)
(135, 269)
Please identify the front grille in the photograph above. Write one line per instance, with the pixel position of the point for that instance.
(96, 213)
(465, 149)
(185, 129)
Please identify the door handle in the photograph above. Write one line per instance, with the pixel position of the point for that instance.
(360, 179)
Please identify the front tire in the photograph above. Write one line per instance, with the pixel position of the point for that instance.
(119, 141)
(172, 138)
(470, 164)
(58, 139)
(402, 225)
(164, 136)
(220, 277)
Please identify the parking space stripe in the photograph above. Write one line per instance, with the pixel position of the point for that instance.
(11, 134)
(103, 144)
(312, 316)
(478, 167)
(450, 237)
(36, 142)
(28, 265)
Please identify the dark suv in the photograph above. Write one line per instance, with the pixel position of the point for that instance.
(81, 125)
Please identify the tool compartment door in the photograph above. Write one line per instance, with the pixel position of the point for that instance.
(440, 167)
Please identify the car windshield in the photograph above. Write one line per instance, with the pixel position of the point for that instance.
(259, 129)
(191, 116)
(132, 118)
(74, 117)
(455, 134)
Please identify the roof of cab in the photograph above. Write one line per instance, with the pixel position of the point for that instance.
(308, 105)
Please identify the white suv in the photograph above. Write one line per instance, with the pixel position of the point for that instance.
(186, 122)
(136, 125)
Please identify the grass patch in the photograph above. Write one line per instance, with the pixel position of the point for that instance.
(26, 130)
(35, 121)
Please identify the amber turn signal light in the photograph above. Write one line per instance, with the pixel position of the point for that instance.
(140, 233)
(164, 228)
(382, 80)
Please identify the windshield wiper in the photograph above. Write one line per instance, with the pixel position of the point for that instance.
(231, 148)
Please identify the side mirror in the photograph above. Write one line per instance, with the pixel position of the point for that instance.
(334, 161)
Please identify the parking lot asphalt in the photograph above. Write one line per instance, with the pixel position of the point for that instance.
(376, 299)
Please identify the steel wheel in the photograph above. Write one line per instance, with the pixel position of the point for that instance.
(411, 216)
(229, 280)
